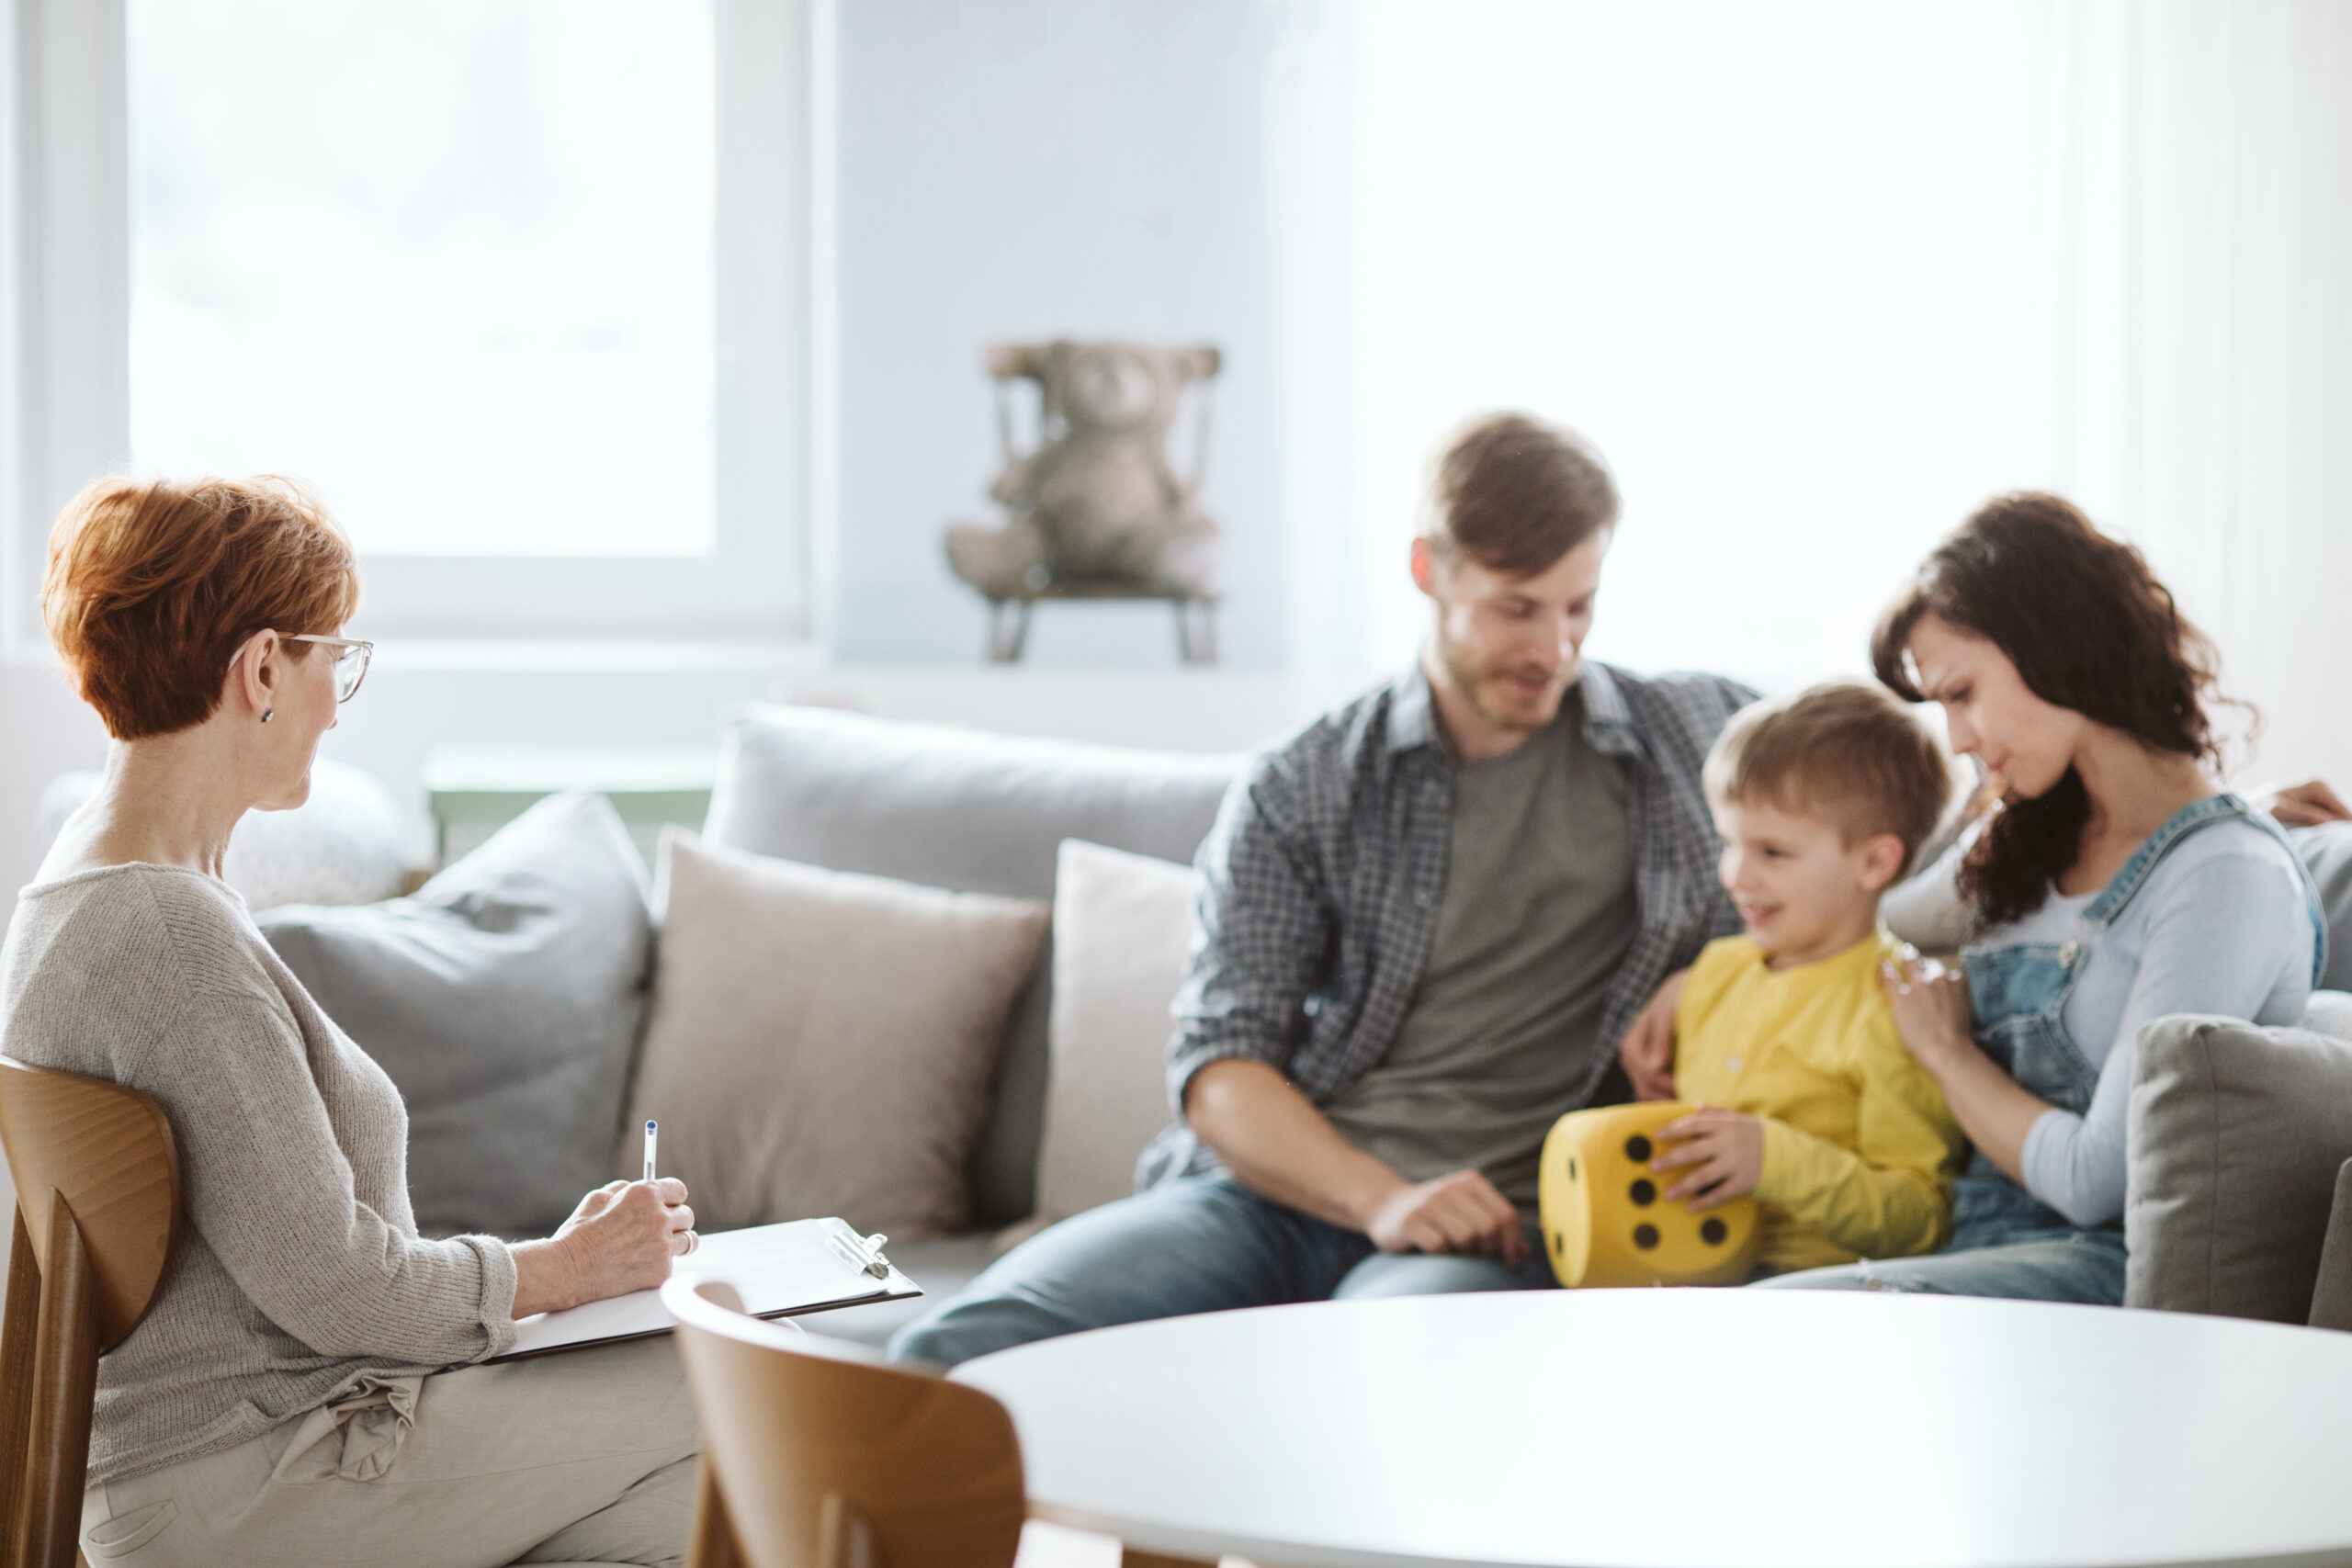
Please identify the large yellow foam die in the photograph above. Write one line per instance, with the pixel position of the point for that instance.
(1607, 1220)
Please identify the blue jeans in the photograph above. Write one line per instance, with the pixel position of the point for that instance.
(1198, 1244)
(2048, 1265)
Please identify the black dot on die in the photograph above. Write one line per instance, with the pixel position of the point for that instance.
(1644, 1236)
(1559, 1244)
(1637, 1149)
(1713, 1231)
(1572, 1167)
(1643, 1193)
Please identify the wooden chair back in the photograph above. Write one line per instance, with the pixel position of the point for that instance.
(97, 1204)
(815, 1455)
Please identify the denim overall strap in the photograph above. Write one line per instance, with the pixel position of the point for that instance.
(2019, 991)
(2110, 905)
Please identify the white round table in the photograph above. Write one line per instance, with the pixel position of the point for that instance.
(1673, 1429)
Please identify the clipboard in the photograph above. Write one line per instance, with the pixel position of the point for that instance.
(782, 1271)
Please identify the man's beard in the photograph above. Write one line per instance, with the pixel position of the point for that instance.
(1474, 685)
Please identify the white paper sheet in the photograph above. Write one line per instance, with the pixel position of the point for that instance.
(779, 1270)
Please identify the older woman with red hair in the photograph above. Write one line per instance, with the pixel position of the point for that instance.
(302, 1390)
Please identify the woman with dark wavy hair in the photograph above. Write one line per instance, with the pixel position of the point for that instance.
(2115, 882)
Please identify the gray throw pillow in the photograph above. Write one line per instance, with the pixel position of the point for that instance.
(2332, 1297)
(2237, 1135)
(505, 999)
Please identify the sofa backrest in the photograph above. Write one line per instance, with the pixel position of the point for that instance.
(966, 811)
(2327, 849)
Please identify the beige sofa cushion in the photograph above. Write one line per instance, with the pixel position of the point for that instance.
(822, 1042)
(1121, 926)
(959, 808)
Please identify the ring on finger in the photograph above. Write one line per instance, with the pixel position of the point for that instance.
(693, 1241)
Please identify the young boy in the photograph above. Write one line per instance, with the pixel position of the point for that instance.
(1784, 1036)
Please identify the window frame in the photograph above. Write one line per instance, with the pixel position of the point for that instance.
(65, 349)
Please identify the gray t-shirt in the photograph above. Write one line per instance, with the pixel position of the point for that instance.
(1539, 910)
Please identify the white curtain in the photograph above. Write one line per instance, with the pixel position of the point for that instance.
(1818, 278)
(2198, 316)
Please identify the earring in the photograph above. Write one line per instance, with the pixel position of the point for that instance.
(266, 713)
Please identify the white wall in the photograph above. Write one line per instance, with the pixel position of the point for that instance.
(1016, 171)
(45, 729)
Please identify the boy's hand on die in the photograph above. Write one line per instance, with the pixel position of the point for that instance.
(1721, 1153)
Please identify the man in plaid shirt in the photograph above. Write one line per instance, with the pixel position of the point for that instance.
(1427, 923)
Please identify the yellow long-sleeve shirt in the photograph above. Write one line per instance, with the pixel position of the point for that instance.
(1860, 1148)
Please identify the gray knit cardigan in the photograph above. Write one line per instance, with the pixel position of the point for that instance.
(299, 1269)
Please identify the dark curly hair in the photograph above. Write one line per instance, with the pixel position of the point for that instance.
(2088, 627)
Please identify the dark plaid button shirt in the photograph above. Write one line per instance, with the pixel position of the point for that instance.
(1324, 872)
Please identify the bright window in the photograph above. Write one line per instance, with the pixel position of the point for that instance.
(520, 287)
(449, 261)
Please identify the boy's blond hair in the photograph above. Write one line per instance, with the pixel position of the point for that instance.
(1844, 750)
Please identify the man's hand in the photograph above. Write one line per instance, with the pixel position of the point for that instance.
(1458, 1214)
(1280, 1147)
(2304, 804)
(1723, 1151)
(1647, 1050)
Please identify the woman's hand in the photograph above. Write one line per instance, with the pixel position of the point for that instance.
(1932, 1008)
(621, 1238)
(1647, 1050)
(1727, 1148)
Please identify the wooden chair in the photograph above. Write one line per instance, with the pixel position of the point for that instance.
(816, 1455)
(97, 1204)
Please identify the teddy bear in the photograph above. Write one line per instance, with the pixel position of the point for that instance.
(1094, 507)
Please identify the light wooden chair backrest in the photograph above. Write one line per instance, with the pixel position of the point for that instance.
(97, 1203)
(815, 1455)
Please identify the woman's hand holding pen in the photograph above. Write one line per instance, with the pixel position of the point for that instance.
(621, 1238)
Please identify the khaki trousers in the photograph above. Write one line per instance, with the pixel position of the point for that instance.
(583, 1457)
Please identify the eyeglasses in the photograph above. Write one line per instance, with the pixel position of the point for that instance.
(350, 662)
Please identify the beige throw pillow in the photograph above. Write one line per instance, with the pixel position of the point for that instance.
(1123, 924)
(821, 1043)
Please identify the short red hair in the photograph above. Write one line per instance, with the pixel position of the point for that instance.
(153, 585)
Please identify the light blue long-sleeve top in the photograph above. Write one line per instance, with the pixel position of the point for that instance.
(2222, 926)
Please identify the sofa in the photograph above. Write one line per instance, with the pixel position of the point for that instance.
(511, 996)
(2234, 1218)
(959, 809)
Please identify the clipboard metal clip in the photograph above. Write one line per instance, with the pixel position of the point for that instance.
(862, 1253)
